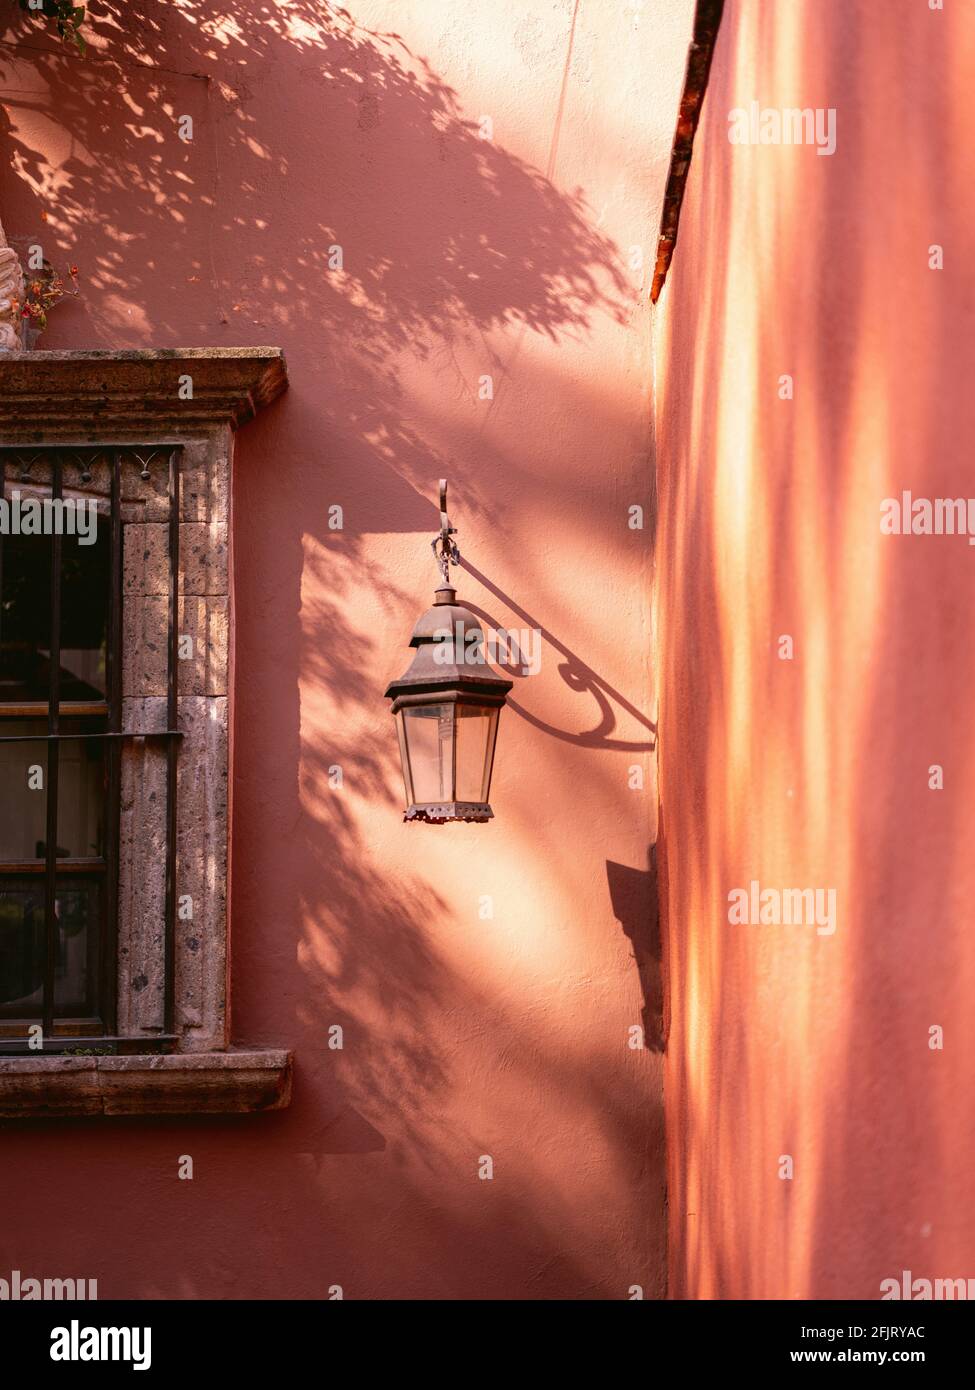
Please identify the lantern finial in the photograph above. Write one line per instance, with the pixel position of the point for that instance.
(448, 553)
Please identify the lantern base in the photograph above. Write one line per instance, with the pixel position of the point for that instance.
(438, 812)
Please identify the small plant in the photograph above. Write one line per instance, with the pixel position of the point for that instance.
(66, 13)
(42, 290)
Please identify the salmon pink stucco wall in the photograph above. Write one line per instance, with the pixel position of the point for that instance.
(493, 177)
(811, 766)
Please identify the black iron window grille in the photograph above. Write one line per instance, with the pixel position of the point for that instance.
(63, 739)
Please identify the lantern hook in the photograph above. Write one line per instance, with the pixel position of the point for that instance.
(445, 550)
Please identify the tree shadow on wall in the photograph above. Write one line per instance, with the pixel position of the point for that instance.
(385, 229)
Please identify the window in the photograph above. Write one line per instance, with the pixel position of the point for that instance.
(64, 744)
(115, 700)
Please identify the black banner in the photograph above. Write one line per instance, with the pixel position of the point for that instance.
(63, 1340)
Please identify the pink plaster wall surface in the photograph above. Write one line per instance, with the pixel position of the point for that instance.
(815, 771)
(524, 257)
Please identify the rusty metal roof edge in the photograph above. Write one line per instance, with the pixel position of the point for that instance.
(707, 20)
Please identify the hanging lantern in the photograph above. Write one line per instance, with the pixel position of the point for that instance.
(447, 705)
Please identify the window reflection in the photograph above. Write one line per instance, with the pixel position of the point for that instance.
(22, 946)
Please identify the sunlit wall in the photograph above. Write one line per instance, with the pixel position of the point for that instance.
(445, 214)
(816, 673)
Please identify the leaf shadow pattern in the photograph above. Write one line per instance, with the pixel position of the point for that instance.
(466, 241)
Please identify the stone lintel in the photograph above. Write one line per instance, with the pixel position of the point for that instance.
(99, 396)
(212, 1083)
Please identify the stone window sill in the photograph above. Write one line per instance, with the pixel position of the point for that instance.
(195, 1083)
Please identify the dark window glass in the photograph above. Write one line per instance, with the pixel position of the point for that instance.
(25, 617)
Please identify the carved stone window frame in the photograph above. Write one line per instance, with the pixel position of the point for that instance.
(189, 401)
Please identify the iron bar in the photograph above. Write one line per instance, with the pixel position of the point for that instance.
(53, 767)
(75, 738)
(172, 718)
(108, 944)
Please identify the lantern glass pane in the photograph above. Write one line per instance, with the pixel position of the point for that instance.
(489, 757)
(475, 746)
(430, 743)
(404, 758)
